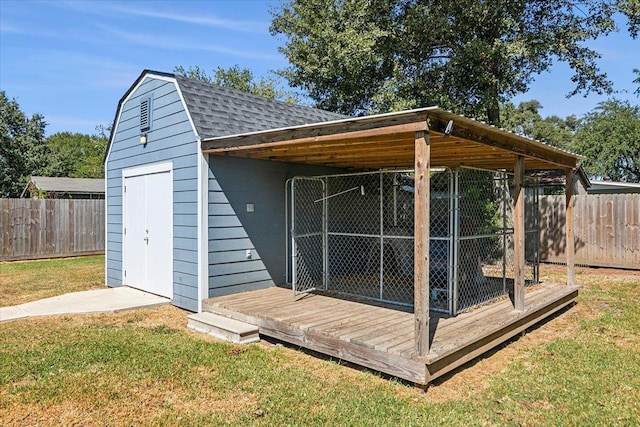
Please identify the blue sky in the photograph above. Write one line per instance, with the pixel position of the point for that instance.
(72, 60)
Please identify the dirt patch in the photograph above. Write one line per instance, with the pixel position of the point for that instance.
(473, 378)
(113, 400)
(141, 405)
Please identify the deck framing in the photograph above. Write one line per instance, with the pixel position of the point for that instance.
(383, 338)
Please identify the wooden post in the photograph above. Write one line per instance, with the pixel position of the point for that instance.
(518, 235)
(421, 197)
(571, 250)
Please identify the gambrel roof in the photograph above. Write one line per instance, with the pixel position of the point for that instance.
(220, 111)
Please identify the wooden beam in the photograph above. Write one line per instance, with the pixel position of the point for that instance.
(474, 131)
(518, 235)
(571, 250)
(225, 145)
(421, 242)
(346, 150)
(405, 138)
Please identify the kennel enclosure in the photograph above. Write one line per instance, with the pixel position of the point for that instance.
(352, 234)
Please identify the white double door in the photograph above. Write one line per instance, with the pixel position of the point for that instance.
(148, 230)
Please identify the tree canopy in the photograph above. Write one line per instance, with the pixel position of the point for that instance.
(76, 155)
(526, 120)
(240, 79)
(609, 138)
(363, 56)
(22, 147)
(631, 8)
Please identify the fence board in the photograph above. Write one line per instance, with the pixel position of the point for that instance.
(43, 228)
(607, 231)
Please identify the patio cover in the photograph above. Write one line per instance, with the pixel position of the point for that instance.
(387, 141)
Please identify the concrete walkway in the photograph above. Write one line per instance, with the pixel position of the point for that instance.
(108, 300)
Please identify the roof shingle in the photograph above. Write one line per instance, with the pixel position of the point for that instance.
(219, 111)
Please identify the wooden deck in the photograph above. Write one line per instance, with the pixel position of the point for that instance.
(383, 338)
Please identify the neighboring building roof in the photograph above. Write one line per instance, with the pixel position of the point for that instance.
(609, 187)
(556, 177)
(67, 185)
(218, 111)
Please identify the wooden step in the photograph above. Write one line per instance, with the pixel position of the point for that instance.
(223, 327)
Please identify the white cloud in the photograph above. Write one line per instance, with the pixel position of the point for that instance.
(8, 28)
(13, 29)
(73, 124)
(173, 43)
(203, 19)
(79, 70)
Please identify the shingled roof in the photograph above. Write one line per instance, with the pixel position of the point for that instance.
(220, 111)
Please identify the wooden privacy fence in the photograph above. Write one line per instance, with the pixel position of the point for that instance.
(606, 226)
(44, 228)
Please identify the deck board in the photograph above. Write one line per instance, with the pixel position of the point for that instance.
(383, 338)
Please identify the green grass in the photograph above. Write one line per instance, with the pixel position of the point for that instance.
(25, 281)
(145, 368)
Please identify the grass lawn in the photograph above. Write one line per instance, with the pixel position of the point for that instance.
(145, 368)
(25, 281)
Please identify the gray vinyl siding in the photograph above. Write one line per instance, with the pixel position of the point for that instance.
(171, 138)
(232, 230)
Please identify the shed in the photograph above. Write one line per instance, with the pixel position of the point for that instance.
(177, 224)
(223, 201)
(64, 188)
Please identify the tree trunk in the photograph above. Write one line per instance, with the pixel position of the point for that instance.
(493, 112)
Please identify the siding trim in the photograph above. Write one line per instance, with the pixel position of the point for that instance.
(203, 224)
(106, 229)
(202, 208)
(164, 166)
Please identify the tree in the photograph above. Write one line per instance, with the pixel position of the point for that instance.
(239, 79)
(76, 155)
(357, 56)
(631, 8)
(22, 148)
(609, 137)
(525, 119)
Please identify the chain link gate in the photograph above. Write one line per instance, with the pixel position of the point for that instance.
(353, 234)
(308, 231)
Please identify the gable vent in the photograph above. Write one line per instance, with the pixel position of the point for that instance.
(145, 114)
